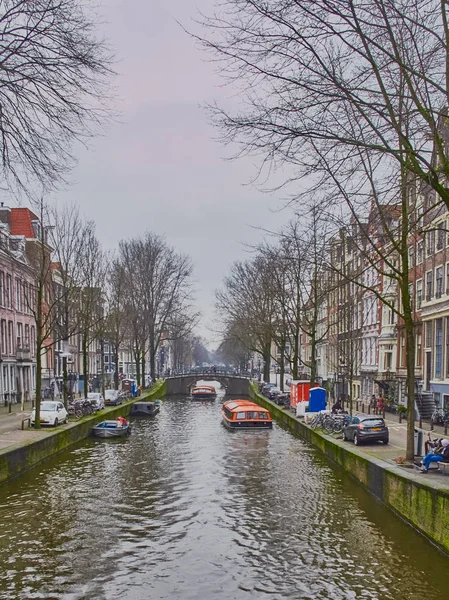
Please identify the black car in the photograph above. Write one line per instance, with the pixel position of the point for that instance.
(366, 428)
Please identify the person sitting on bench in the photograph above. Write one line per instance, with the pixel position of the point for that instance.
(441, 454)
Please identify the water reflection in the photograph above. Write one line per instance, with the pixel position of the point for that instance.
(187, 509)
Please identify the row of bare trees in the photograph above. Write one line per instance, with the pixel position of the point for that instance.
(354, 98)
(134, 299)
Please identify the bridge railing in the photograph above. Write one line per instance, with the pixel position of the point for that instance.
(210, 372)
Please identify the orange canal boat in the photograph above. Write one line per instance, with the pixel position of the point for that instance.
(204, 392)
(244, 414)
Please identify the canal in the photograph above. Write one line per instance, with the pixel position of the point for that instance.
(184, 509)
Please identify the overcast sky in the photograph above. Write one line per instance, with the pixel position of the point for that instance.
(160, 169)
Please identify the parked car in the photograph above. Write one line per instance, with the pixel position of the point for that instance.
(51, 413)
(112, 397)
(273, 393)
(283, 399)
(96, 399)
(366, 428)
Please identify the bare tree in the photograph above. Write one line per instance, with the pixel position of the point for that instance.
(247, 306)
(354, 96)
(333, 74)
(67, 238)
(162, 289)
(53, 86)
(117, 323)
(94, 267)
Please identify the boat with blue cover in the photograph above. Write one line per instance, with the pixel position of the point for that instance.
(145, 409)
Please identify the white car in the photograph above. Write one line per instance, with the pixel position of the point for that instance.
(112, 397)
(96, 399)
(51, 413)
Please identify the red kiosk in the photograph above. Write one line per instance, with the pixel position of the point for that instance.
(299, 392)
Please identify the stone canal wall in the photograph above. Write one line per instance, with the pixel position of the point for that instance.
(19, 459)
(423, 504)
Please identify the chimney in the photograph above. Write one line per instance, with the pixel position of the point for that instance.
(5, 214)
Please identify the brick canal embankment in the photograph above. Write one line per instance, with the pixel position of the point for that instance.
(423, 501)
(29, 451)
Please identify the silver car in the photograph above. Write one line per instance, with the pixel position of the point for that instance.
(96, 399)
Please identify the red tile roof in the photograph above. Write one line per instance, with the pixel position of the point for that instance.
(21, 222)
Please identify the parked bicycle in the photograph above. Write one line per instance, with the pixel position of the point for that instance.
(440, 416)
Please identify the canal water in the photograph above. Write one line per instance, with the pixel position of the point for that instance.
(185, 509)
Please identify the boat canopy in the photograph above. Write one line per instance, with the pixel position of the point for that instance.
(243, 406)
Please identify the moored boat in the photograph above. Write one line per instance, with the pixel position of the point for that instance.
(204, 392)
(112, 428)
(244, 414)
(145, 409)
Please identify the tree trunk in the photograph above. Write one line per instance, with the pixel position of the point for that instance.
(313, 359)
(266, 366)
(102, 367)
(152, 364)
(143, 355)
(37, 421)
(65, 379)
(410, 362)
(85, 365)
(295, 359)
(116, 379)
(137, 361)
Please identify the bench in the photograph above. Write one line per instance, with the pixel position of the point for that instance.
(25, 419)
(443, 466)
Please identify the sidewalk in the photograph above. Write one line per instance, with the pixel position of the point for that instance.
(396, 448)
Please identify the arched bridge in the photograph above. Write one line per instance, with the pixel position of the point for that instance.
(235, 385)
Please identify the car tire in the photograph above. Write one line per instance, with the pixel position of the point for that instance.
(345, 439)
(356, 440)
(55, 424)
(386, 441)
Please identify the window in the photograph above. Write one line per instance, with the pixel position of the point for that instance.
(441, 235)
(2, 288)
(420, 252)
(251, 415)
(418, 362)
(388, 361)
(438, 347)
(10, 337)
(411, 257)
(3, 333)
(419, 293)
(18, 295)
(429, 286)
(447, 346)
(439, 282)
(263, 415)
(27, 335)
(430, 242)
(391, 315)
(8, 298)
(437, 399)
(240, 415)
(429, 334)
(19, 334)
(33, 340)
(445, 402)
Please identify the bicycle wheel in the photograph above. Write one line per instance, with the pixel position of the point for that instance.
(78, 413)
(339, 425)
(314, 423)
(328, 424)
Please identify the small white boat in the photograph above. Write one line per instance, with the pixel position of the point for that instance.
(110, 429)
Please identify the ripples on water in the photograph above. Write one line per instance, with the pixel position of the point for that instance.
(184, 509)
